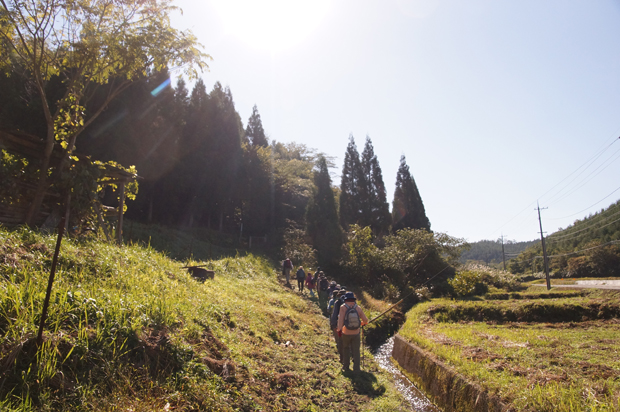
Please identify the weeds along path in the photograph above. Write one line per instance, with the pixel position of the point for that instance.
(128, 329)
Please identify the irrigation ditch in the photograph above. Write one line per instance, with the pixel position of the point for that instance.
(379, 336)
(427, 383)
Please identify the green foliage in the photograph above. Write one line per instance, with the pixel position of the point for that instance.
(468, 283)
(322, 218)
(407, 206)
(420, 255)
(498, 279)
(297, 248)
(362, 255)
(409, 257)
(376, 209)
(350, 185)
(588, 247)
(84, 45)
(12, 170)
(362, 191)
(490, 251)
(128, 326)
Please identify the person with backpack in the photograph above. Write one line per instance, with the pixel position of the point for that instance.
(350, 319)
(330, 290)
(287, 266)
(301, 277)
(333, 320)
(331, 303)
(315, 280)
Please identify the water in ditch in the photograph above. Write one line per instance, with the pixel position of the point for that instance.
(419, 402)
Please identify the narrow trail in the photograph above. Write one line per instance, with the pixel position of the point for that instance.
(383, 358)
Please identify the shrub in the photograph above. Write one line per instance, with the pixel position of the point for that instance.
(468, 283)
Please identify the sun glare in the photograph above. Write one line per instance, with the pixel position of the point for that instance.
(271, 25)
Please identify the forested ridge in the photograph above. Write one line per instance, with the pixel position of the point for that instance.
(490, 251)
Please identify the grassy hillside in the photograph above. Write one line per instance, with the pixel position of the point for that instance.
(128, 329)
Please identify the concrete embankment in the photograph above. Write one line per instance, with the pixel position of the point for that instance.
(447, 388)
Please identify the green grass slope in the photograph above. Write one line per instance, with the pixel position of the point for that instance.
(128, 329)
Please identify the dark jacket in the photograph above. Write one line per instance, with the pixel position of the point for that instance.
(333, 320)
(301, 275)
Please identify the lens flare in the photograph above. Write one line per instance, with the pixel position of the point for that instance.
(161, 87)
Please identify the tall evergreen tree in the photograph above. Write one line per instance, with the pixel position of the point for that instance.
(224, 155)
(350, 186)
(322, 218)
(257, 179)
(254, 132)
(407, 208)
(375, 209)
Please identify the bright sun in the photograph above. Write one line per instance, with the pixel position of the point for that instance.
(271, 25)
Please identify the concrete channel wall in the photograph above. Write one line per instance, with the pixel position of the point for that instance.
(447, 388)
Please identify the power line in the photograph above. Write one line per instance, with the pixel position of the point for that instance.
(570, 253)
(587, 164)
(586, 180)
(570, 235)
(587, 208)
(585, 250)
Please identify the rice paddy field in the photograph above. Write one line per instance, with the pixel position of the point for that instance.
(549, 353)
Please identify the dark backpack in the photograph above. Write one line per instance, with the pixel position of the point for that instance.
(301, 275)
(324, 284)
(333, 321)
(352, 318)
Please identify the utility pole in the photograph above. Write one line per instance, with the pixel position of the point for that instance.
(542, 238)
(503, 253)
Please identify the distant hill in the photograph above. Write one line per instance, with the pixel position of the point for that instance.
(588, 247)
(490, 251)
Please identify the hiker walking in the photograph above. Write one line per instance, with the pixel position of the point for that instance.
(287, 266)
(333, 320)
(332, 287)
(310, 284)
(315, 279)
(301, 277)
(350, 319)
(331, 303)
(323, 286)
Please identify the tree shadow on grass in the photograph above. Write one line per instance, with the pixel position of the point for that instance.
(365, 383)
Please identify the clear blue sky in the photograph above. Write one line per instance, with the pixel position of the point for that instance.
(493, 103)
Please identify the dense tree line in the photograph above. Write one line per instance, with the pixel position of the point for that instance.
(490, 251)
(200, 167)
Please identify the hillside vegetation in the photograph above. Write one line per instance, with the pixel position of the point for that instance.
(589, 247)
(490, 251)
(129, 329)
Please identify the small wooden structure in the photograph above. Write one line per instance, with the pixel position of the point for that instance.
(31, 148)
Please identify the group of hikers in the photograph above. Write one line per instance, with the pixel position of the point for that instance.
(345, 317)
